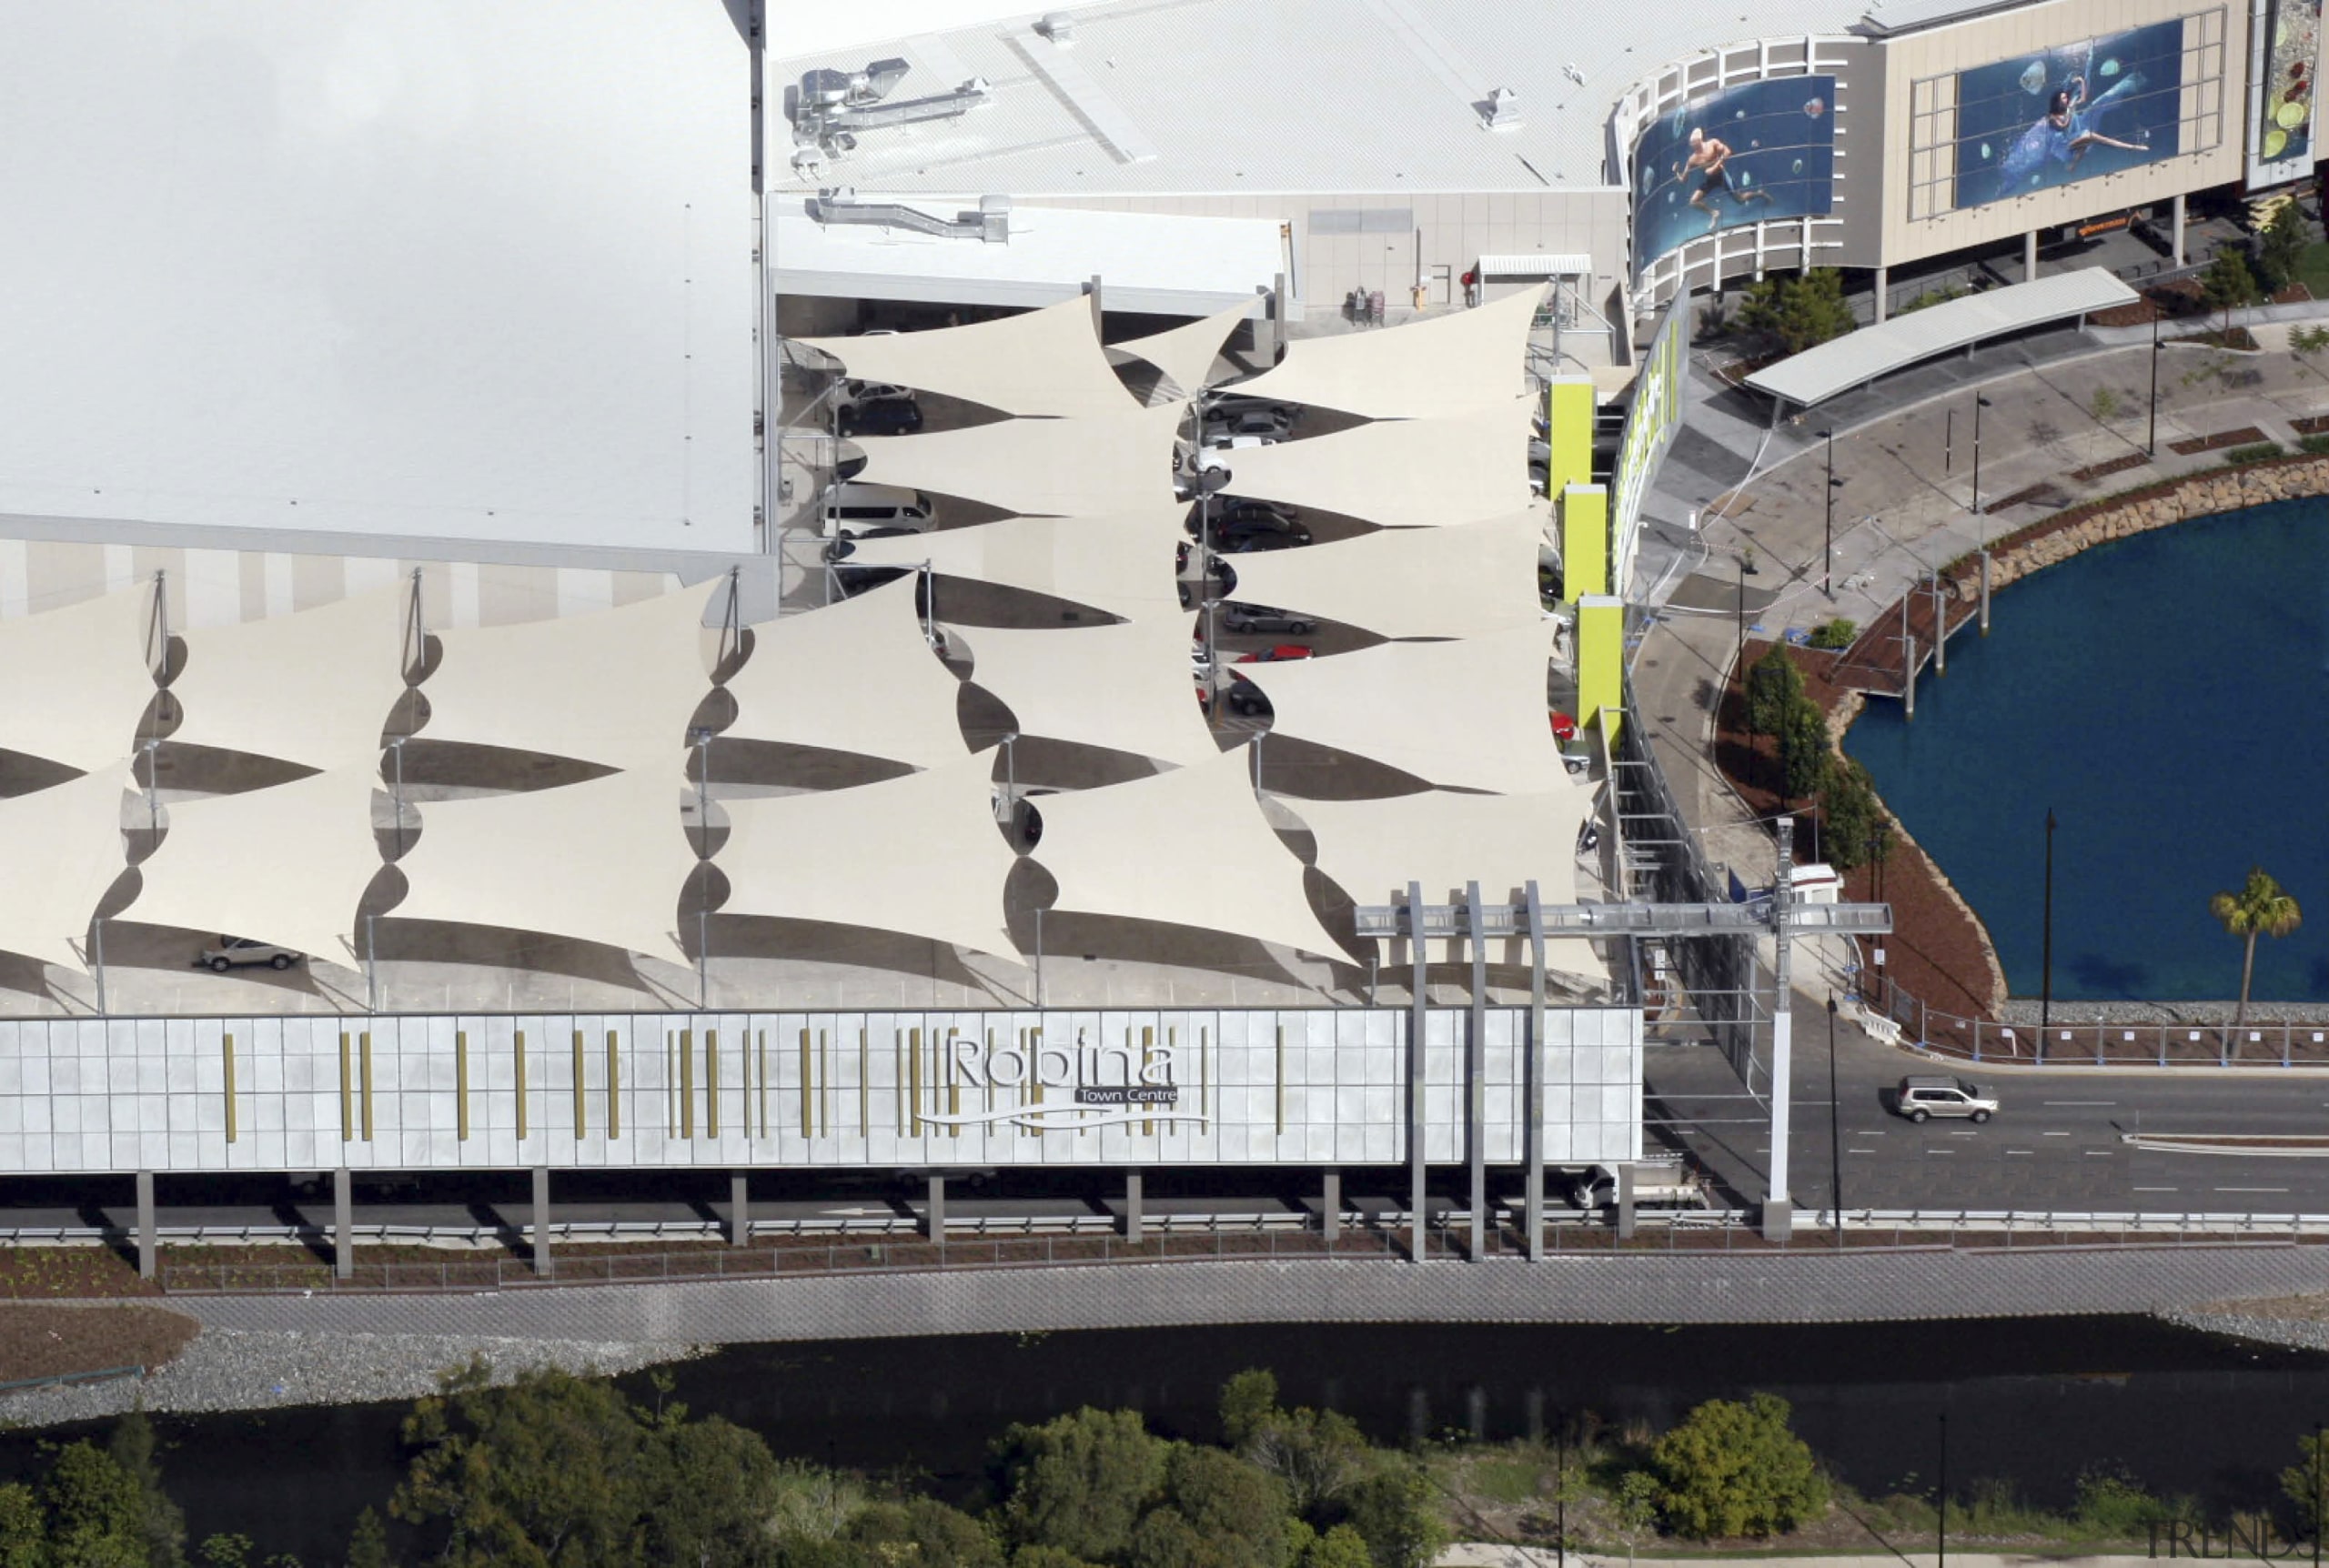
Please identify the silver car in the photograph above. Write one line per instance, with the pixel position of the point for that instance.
(1923, 1095)
(240, 952)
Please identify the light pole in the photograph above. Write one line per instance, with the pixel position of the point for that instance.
(2046, 943)
(1828, 549)
(1941, 1513)
(2151, 438)
(1979, 403)
(1835, 1131)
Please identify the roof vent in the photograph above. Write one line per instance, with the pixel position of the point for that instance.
(1502, 110)
(1059, 26)
(831, 107)
(809, 162)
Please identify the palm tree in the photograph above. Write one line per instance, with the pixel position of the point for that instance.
(2260, 907)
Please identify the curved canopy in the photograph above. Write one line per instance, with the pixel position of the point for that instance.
(1402, 473)
(1122, 564)
(1470, 714)
(287, 865)
(1429, 367)
(1409, 582)
(919, 854)
(1044, 362)
(94, 684)
(1125, 687)
(1188, 848)
(1373, 848)
(600, 862)
(1185, 354)
(1042, 467)
(62, 848)
(855, 676)
(616, 687)
(314, 688)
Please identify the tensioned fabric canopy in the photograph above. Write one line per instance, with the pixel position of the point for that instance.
(598, 861)
(287, 864)
(1187, 847)
(1429, 367)
(1125, 687)
(62, 849)
(1408, 582)
(1044, 467)
(919, 854)
(1122, 564)
(855, 676)
(94, 682)
(1185, 354)
(315, 688)
(1046, 361)
(617, 687)
(1454, 468)
(1470, 714)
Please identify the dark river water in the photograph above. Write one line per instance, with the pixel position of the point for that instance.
(2037, 1402)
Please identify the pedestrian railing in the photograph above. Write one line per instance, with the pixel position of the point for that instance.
(2097, 1043)
(71, 1379)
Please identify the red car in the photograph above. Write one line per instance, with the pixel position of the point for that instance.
(1282, 652)
(1563, 726)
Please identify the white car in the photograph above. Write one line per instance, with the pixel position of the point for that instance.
(241, 952)
(1922, 1095)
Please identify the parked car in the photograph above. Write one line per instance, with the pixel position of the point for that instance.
(242, 953)
(1261, 419)
(841, 548)
(1249, 543)
(1225, 537)
(1248, 700)
(855, 580)
(1282, 652)
(856, 394)
(1922, 1095)
(1232, 407)
(1228, 511)
(853, 507)
(1248, 619)
(1215, 454)
(895, 418)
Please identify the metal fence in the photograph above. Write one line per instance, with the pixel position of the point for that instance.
(2096, 1044)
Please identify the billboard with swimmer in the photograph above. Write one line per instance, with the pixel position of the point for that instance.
(1760, 150)
(2092, 107)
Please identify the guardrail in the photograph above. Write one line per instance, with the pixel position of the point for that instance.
(67, 1379)
(2096, 1044)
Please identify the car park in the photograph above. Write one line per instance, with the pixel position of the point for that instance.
(243, 952)
(897, 416)
(1248, 620)
(1923, 1095)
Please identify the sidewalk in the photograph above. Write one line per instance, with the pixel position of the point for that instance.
(1493, 1555)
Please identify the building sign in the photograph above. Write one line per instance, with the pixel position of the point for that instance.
(1742, 154)
(2095, 106)
(1650, 426)
(1096, 1085)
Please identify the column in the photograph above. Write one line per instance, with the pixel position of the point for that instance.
(1474, 1061)
(1418, 992)
(1131, 1207)
(2179, 229)
(934, 1223)
(1330, 1215)
(1883, 292)
(149, 1236)
(541, 1221)
(1779, 1217)
(1626, 1202)
(343, 1224)
(1585, 540)
(1601, 663)
(740, 1210)
(2029, 256)
(1533, 1082)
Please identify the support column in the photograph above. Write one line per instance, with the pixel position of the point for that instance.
(1940, 629)
(1883, 292)
(1626, 1202)
(1985, 593)
(343, 1224)
(1778, 1213)
(149, 1235)
(1131, 1207)
(1532, 1216)
(541, 1221)
(1476, 1105)
(2179, 229)
(2029, 256)
(1330, 1219)
(740, 1210)
(1418, 988)
(934, 1219)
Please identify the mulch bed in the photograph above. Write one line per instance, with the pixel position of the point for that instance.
(2246, 435)
(1936, 952)
(2044, 493)
(37, 1342)
(2310, 424)
(2094, 471)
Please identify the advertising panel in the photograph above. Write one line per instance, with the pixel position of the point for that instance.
(1650, 426)
(1759, 150)
(2281, 141)
(2093, 107)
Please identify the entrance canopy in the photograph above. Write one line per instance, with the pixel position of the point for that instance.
(856, 675)
(315, 688)
(63, 850)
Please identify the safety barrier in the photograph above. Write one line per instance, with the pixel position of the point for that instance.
(2099, 1043)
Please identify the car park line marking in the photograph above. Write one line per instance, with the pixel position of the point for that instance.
(2054, 1135)
(1964, 1135)
(2096, 1153)
(1941, 1151)
(2078, 1102)
(2026, 1153)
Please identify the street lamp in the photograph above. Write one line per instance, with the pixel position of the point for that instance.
(2151, 438)
(2046, 959)
(1979, 403)
(1828, 553)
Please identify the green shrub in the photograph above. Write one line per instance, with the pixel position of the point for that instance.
(1835, 634)
(1929, 299)
(1733, 1469)
(2255, 452)
(2309, 339)
(2314, 443)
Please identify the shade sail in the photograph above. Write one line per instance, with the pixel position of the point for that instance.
(856, 675)
(1188, 848)
(920, 855)
(615, 687)
(1185, 354)
(63, 847)
(93, 685)
(601, 862)
(1408, 582)
(1477, 355)
(287, 865)
(1123, 564)
(1470, 714)
(1373, 848)
(1402, 473)
(1125, 687)
(314, 688)
(1046, 467)
(1046, 362)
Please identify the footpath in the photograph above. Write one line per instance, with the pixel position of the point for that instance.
(1493, 1555)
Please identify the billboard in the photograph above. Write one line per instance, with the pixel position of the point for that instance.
(2093, 107)
(1740, 155)
(1651, 427)
(2280, 138)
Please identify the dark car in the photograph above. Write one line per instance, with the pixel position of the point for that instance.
(897, 417)
(1248, 700)
(1245, 619)
(855, 580)
(1277, 423)
(1250, 544)
(1226, 535)
(841, 548)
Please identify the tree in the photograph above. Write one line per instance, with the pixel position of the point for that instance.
(132, 1447)
(2306, 1482)
(1733, 1469)
(1314, 1453)
(1236, 1510)
(2261, 907)
(369, 1546)
(1803, 750)
(1341, 1547)
(1774, 686)
(926, 1532)
(1635, 1503)
(1047, 1557)
(23, 1532)
(2228, 283)
(225, 1550)
(1247, 1400)
(1854, 819)
(1080, 1482)
(1393, 1512)
(1800, 312)
(812, 1503)
(713, 1496)
(96, 1518)
(2280, 249)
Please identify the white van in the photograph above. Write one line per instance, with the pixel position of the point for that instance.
(851, 508)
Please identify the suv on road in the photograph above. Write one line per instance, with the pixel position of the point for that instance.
(1922, 1095)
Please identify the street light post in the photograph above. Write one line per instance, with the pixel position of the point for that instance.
(1979, 403)
(1828, 549)
(2151, 438)
(2046, 946)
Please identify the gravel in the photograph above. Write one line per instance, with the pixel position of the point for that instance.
(234, 1369)
(2298, 1333)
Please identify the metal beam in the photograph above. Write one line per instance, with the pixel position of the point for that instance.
(541, 1221)
(1533, 1204)
(1674, 920)
(1418, 986)
(1475, 1075)
(149, 1235)
(1778, 1211)
(343, 1224)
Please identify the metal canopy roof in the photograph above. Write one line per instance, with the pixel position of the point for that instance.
(1819, 374)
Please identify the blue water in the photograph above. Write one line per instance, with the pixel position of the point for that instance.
(2168, 696)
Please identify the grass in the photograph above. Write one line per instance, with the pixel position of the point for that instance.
(2313, 269)
(2255, 452)
(2315, 444)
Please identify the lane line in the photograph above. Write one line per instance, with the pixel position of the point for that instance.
(2251, 1189)
(2078, 1102)
(2156, 1188)
(2025, 1153)
(2054, 1135)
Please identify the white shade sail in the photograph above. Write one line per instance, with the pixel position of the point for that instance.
(1040, 467)
(601, 861)
(855, 676)
(1402, 473)
(920, 855)
(314, 688)
(63, 847)
(1470, 714)
(1044, 362)
(1127, 686)
(94, 684)
(287, 865)
(1408, 582)
(1373, 848)
(1188, 848)
(1477, 355)
(1122, 564)
(615, 687)
(1185, 354)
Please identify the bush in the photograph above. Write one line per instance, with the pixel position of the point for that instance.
(1733, 1469)
(1774, 687)
(1855, 826)
(1931, 297)
(2255, 452)
(1392, 1510)
(2315, 444)
(2104, 406)
(1835, 635)
(1800, 312)
(2309, 339)
(1078, 1483)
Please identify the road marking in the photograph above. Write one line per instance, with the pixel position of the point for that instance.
(2155, 1189)
(1859, 1150)
(2054, 1135)
(2096, 1153)
(2251, 1189)
(1964, 1135)
(2078, 1102)
(2027, 1153)
(1941, 1151)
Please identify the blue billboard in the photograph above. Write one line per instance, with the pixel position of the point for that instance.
(2088, 108)
(1760, 150)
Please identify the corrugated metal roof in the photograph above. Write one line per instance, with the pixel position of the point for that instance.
(1819, 374)
(1540, 264)
(1286, 95)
